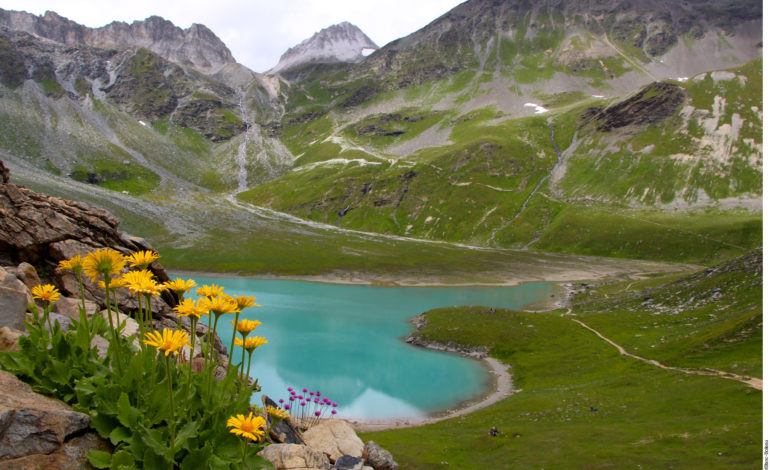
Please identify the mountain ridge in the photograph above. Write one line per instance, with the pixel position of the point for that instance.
(196, 46)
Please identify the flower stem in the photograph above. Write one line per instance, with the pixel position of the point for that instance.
(232, 341)
(115, 345)
(193, 330)
(172, 422)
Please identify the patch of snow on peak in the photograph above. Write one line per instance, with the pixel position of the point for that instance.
(538, 109)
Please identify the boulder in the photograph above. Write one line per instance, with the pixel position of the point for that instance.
(14, 297)
(28, 275)
(70, 456)
(294, 456)
(31, 423)
(335, 438)
(284, 431)
(378, 458)
(9, 339)
(348, 462)
(70, 307)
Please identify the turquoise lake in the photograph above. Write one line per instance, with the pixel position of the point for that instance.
(345, 341)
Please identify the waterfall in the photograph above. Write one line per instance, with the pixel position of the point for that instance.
(240, 158)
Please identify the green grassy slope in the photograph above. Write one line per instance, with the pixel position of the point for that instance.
(644, 416)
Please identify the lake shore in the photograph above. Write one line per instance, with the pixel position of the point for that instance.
(502, 388)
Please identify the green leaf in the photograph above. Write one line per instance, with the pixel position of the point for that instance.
(152, 460)
(198, 458)
(155, 441)
(127, 414)
(120, 434)
(99, 458)
(123, 459)
(103, 424)
(188, 431)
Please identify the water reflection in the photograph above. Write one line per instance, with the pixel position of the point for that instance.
(345, 341)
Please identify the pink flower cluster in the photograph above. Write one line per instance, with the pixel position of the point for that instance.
(308, 407)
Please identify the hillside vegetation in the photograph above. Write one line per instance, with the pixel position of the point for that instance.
(581, 404)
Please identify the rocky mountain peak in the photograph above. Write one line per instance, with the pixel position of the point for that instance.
(196, 46)
(343, 42)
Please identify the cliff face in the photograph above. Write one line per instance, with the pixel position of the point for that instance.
(196, 46)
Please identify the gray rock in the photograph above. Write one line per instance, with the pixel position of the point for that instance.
(9, 339)
(378, 458)
(70, 307)
(28, 275)
(294, 456)
(335, 438)
(348, 462)
(14, 297)
(31, 423)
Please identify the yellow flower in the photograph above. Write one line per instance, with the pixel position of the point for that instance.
(251, 343)
(250, 427)
(104, 262)
(170, 341)
(46, 292)
(277, 413)
(245, 327)
(210, 291)
(246, 301)
(141, 282)
(180, 286)
(219, 305)
(115, 283)
(142, 259)
(74, 264)
(189, 308)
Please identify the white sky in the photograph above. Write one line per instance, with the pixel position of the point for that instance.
(256, 31)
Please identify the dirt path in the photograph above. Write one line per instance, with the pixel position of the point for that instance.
(752, 382)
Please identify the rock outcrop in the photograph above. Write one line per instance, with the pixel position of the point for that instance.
(335, 438)
(196, 46)
(39, 432)
(38, 231)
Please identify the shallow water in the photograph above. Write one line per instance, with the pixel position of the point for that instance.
(344, 341)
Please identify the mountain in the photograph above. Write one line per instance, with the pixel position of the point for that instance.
(196, 46)
(342, 42)
(628, 128)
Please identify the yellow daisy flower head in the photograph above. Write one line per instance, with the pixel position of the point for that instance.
(246, 301)
(142, 259)
(251, 343)
(190, 308)
(210, 291)
(115, 283)
(277, 413)
(219, 305)
(169, 341)
(103, 262)
(180, 286)
(46, 292)
(74, 264)
(251, 427)
(141, 282)
(245, 327)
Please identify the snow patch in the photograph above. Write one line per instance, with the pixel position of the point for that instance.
(366, 51)
(538, 109)
(681, 79)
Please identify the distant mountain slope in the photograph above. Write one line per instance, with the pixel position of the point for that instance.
(573, 35)
(342, 42)
(196, 46)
